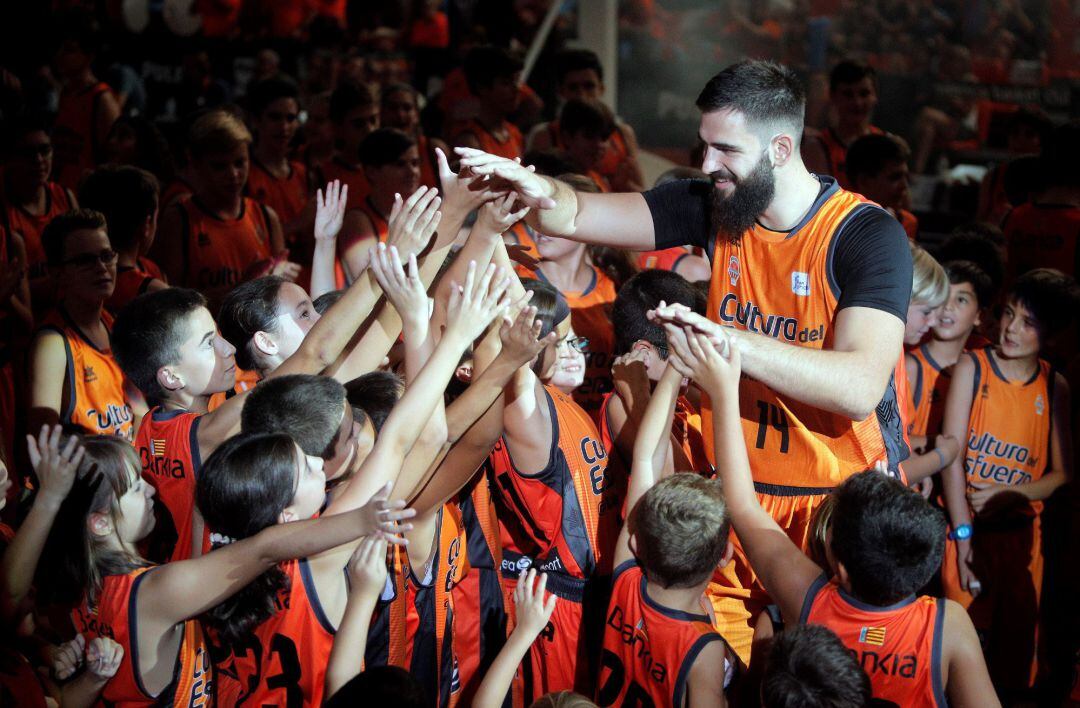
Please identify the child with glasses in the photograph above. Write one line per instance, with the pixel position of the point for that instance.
(74, 378)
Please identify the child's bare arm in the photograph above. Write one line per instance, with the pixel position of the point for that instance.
(367, 575)
(967, 681)
(953, 477)
(705, 685)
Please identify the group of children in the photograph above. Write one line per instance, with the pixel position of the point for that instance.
(389, 444)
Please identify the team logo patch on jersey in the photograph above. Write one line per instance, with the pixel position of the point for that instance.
(1040, 404)
(157, 446)
(800, 283)
(872, 635)
(733, 271)
(88, 374)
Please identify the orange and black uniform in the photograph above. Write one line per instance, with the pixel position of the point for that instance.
(112, 616)
(836, 153)
(93, 395)
(287, 197)
(283, 661)
(131, 282)
(29, 226)
(666, 259)
(563, 520)
(845, 252)
(414, 626)
(898, 646)
(219, 254)
(176, 190)
(928, 392)
(648, 648)
(1008, 443)
(1043, 236)
(689, 443)
(74, 135)
(168, 447)
(510, 147)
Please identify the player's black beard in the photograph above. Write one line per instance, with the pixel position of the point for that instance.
(733, 214)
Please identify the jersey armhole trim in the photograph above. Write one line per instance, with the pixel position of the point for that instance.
(193, 443)
(830, 256)
(811, 595)
(553, 452)
(976, 379)
(312, 591)
(916, 393)
(936, 672)
(688, 663)
(622, 568)
(133, 642)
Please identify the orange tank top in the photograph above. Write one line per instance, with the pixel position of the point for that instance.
(565, 518)
(512, 146)
(665, 259)
(380, 226)
(287, 197)
(899, 646)
(111, 616)
(1009, 426)
(910, 223)
(687, 440)
(1042, 236)
(781, 287)
(132, 281)
(928, 392)
(176, 190)
(648, 648)
(29, 226)
(74, 135)
(168, 447)
(93, 383)
(220, 253)
(283, 661)
(836, 153)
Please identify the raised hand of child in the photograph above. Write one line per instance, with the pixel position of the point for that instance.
(475, 304)
(55, 467)
(330, 211)
(630, 376)
(521, 340)
(463, 191)
(384, 518)
(414, 221)
(406, 292)
(498, 215)
(531, 609)
(522, 254)
(367, 568)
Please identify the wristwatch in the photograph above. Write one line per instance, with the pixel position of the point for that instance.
(960, 533)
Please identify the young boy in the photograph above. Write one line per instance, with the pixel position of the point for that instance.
(492, 74)
(275, 180)
(128, 198)
(1013, 411)
(660, 647)
(877, 168)
(354, 115)
(885, 542)
(853, 98)
(585, 128)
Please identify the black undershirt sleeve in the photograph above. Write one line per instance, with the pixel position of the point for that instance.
(871, 263)
(680, 213)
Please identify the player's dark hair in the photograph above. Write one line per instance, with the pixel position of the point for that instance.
(680, 527)
(249, 308)
(56, 232)
(375, 393)
(640, 294)
(569, 60)
(305, 406)
(384, 146)
(325, 301)
(970, 273)
(126, 196)
(849, 72)
(381, 686)
(74, 562)
(870, 155)
(589, 117)
(262, 93)
(809, 667)
(887, 536)
(347, 97)
(148, 333)
(485, 64)
(1050, 295)
(242, 489)
(980, 243)
(766, 93)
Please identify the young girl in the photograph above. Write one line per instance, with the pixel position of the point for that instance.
(90, 561)
(1013, 412)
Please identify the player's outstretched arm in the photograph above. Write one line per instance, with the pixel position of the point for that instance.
(967, 680)
(713, 362)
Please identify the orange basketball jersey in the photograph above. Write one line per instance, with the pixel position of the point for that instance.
(132, 281)
(687, 440)
(74, 135)
(779, 285)
(93, 384)
(287, 197)
(510, 147)
(648, 648)
(283, 661)
(928, 392)
(112, 617)
(168, 448)
(1042, 236)
(220, 253)
(1009, 426)
(665, 259)
(899, 646)
(29, 226)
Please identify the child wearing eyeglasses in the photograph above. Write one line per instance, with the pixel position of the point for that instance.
(74, 378)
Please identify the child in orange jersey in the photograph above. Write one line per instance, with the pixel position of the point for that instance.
(492, 74)
(354, 114)
(86, 537)
(660, 646)
(128, 199)
(877, 168)
(74, 376)
(853, 97)
(30, 200)
(885, 544)
(400, 109)
(585, 126)
(217, 237)
(809, 667)
(1012, 410)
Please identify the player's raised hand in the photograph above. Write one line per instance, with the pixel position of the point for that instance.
(521, 340)
(330, 210)
(534, 190)
(405, 291)
(532, 610)
(712, 361)
(367, 567)
(475, 304)
(413, 221)
(55, 467)
(498, 215)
